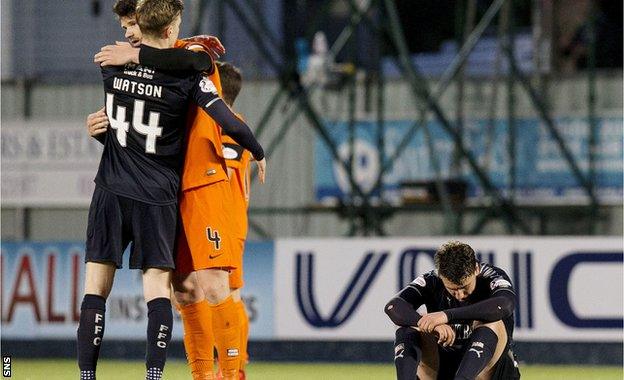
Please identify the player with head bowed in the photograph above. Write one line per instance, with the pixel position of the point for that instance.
(467, 329)
(137, 187)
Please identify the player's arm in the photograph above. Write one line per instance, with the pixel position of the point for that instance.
(402, 308)
(97, 123)
(165, 59)
(205, 95)
(499, 305)
(234, 127)
(489, 310)
(213, 46)
(176, 59)
(238, 131)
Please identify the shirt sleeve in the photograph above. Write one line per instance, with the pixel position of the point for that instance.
(233, 154)
(402, 308)
(499, 305)
(489, 310)
(206, 96)
(176, 59)
(101, 138)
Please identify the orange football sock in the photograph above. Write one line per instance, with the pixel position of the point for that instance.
(244, 333)
(199, 339)
(226, 328)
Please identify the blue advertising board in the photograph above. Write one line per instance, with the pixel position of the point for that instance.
(542, 173)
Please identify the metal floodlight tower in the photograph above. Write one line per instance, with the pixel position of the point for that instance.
(365, 217)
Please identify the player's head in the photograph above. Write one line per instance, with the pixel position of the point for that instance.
(231, 81)
(457, 267)
(160, 19)
(126, 12)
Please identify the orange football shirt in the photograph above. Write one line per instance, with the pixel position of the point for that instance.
(204, 163)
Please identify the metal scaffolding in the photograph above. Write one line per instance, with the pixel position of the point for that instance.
(380, 17)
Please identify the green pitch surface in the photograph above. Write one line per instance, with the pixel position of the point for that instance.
(62, 369)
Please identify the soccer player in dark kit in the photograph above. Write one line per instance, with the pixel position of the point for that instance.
(137, 183)
(467, 330)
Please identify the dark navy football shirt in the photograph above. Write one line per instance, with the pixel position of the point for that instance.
(434, 295)
(143, 150)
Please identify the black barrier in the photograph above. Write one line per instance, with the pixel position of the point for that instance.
(580, 353)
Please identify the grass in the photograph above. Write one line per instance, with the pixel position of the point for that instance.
(62, 369)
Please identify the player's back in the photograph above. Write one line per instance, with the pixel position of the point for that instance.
(143, 149)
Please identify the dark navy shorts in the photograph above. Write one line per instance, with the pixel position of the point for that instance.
(115, 221)
(506, 368)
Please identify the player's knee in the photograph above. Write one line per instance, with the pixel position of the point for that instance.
(236, 294)
(186, 290)
(406, 335)
(99, 279)
(216, 292)
(215, 284)
(498, 327)
(184, 298)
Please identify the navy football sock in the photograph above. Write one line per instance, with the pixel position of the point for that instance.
(90, 333)
(159, 324)
(407, 353)
(480, 351)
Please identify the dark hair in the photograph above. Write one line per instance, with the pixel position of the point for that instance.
(153, 16)
(125, 8)
(455, 261)
(231, 81)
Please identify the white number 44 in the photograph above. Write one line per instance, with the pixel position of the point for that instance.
(151, 130)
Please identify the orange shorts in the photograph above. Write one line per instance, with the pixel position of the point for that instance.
(205, 239)
(236, 275)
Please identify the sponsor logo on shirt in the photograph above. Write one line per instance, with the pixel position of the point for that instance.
(500, 283)
(229, 153)
(207, 86)
(420, 281)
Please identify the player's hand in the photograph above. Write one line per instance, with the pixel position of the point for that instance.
(430, 321)
(97, 123)
(215, 47)
(445, 335)
(261, 170)
(117, 55)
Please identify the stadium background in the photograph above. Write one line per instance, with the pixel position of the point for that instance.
(522, 157)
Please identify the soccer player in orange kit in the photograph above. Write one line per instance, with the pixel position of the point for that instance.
(205, 245)
(237, 160)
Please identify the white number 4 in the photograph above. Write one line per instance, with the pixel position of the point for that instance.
(151, 130)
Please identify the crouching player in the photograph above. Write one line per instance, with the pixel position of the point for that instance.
(468, 328)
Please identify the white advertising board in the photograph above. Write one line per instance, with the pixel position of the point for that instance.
(569, 288)
(48, 164)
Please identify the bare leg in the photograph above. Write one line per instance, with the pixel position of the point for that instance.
(99, 278)
(186, 289)
(215, 284)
